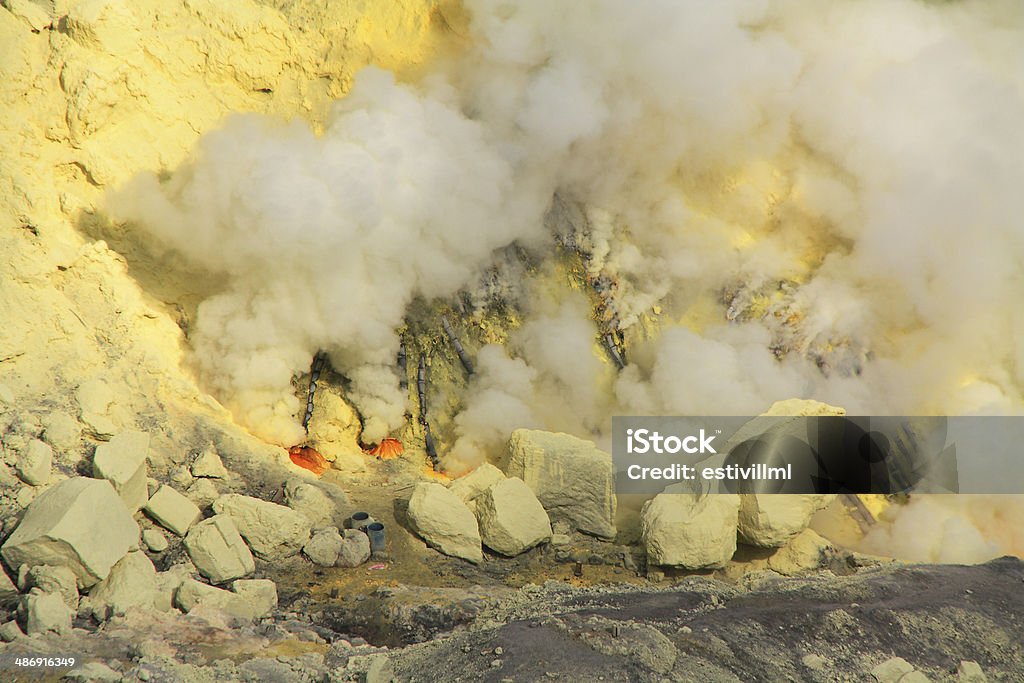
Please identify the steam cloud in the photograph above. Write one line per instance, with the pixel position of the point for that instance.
(871, 152)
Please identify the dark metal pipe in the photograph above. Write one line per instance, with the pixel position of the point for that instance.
(319, 360)
(421, 387)
(429, 447)
(613, 350)
(403, 375)
(461, 352)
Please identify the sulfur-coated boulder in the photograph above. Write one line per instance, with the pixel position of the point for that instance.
(218, 551)
(683, 529)
(440, 518)
(79, 523)
(572, 478)
(122, 462)
(273, 531)
(511, 518)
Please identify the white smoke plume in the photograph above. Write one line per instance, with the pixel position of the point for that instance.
(870, 152)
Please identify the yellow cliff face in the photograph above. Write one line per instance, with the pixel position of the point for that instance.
(95, 92)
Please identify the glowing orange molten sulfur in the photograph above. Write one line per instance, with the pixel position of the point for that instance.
(387, 449)
(307, 458)
(440, 477)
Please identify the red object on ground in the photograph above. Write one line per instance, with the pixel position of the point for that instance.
(387, 449)
(307, 458)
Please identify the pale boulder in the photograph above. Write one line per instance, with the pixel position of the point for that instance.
(247, 599)
(122, 462)
(682, 529)
(313, 501)
(355, 549)
(324, 547)
(172, 510)
(772, 520)
(273, 531)
(45, 612)
(572, 478)
(440, 518)
(218, 551)
(79, 523)
(510, 517)
(208, 464)
(131, 583)
(469, 486)
(48, 579)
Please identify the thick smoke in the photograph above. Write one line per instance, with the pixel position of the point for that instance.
(868, 154)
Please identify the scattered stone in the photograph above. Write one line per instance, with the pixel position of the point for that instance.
(10, 631)
(218, 551)
(8, 591)
(806, 552)
(79, 523)
(168, 582)
(914, 677)
(682, 529)
(572, 478)
(172, 510)
(92, 672)
(560, 539)
(355, 549)
(131, 583)
(182, 478)
(444, 521)
(892, 670)
(259, 594)
(380, 670)
(313, 502)
(324, 547)
(510, 517)
(814, 662)
(248, 600)
(45, 612)
(49, 579)
(772, 520)
(155, 540)
(122, 462)
(208, 464)
(35, 462)
(273, 531)
(203, 492)
(61, 430)
(469, 486)
(967, 672)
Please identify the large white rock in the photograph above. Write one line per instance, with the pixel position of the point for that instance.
(218, 551)
(469, 486)
(172, 510)
(122, 462)
(511, 518)
(682, 529)
(131, 583)
(772, 520)
(34, 462)
(273, 531)
(79, 523)
(441, 519)
(572, 478)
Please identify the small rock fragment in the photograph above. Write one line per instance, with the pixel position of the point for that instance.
(892, 670)
(45, 612)
(131, 583)
(970, 672)
(155, 540)
(208, 464)
(35, 462)
(172, 510)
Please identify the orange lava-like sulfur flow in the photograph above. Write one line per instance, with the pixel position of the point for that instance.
(308, 458)
(440, 477)
(387, 449)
